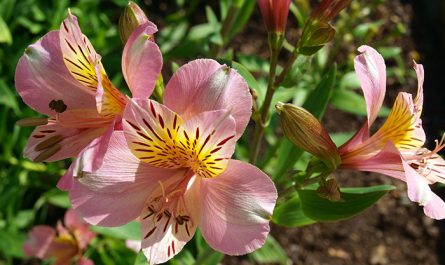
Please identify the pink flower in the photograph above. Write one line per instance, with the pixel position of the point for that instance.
(65, 244)
(61, 76)
(274, 14)
(396, 149)
(171, 168)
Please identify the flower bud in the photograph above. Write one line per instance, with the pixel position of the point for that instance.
(317, 31)
(274, 14)
(130, 19)
(306, 132)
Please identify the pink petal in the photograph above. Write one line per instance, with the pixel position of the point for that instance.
(72, 220)
(134, 245)
(387, 161)
(85, 261)
(84, 65)
(41, 76)
(91, 157)
(359, 137)
(66, 182)
(205, 85)
(110, 102)
(163, 235)
(78, 228)
(63, 251)
(83, 118)
(403, 126)
(116, 193)
(435, 207)
(371, 70)
(236, 208)
(53, 142)
(141, 61)
(418, 101)
(39, 240)
(108, 209)
(79, 55)
(418, 188)
(214, 133)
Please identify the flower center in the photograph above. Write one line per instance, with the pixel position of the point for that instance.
(167, 207)
(164, 140)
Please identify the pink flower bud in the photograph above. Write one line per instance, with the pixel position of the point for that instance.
(130, 19)
(274, 14)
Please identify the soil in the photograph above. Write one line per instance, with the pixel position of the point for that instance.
(394, 231)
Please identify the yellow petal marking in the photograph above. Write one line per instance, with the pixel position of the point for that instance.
(164, 143)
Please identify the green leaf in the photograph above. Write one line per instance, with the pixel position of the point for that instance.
(390, 52)
(201, 31)
(56, 197)
(299, 68)
(352, 102)
(131, 230)
(353, 201)
(270, 252)
(316, 104)
(5, 34)
(242, 17)
(11, 243)
(349, 81)
(183, 258)
(211, 17)
(140, 259)
(290, 214)
(206, 255)
(341, 138)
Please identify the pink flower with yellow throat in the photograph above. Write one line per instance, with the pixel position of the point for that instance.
(65, 244)
(171, 168)
(62, 77)
(395, 149)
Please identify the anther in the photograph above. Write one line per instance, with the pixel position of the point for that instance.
(47, 153)
(32, 122)
(49, 142)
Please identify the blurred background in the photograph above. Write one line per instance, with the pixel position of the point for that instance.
(394, 231)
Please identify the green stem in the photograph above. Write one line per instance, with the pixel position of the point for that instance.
(275, 42)
(286, 68)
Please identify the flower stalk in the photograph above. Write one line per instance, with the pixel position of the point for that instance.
(275, 43)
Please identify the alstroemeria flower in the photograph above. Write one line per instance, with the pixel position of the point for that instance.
(65, 244)
(61, 76)
(396, 149)
(171, 167)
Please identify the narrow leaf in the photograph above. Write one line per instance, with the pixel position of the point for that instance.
(353, 201)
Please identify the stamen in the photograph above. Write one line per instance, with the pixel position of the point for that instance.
(48, 142)
(47, 153)
(28, 122)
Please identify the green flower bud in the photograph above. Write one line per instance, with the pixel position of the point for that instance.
(130, 19)
(306, 132)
